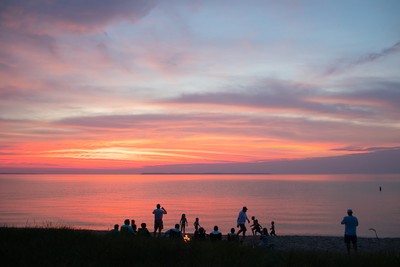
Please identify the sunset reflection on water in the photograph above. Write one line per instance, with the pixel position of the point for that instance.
(310, 205)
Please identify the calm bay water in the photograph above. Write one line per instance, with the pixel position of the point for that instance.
(299, 204)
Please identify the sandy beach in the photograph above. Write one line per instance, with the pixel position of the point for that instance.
(327, 243)
(321, 243)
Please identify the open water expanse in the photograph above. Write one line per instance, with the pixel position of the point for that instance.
(299, 204)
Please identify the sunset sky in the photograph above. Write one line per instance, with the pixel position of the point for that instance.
(99, 84)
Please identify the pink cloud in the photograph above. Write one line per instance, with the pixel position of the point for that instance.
(76, 16)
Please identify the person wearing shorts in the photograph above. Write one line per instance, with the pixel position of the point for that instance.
(241, 221)
(350, 232)
(158, 222)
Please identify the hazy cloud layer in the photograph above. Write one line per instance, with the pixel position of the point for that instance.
(366, 149)
(56, 16)
(364, 101)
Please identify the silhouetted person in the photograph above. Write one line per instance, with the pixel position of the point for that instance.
(264, 243)
(196, 225)
(232, 236)
(200, 234)
(253, 218)
(174, 233)
(134, 226)
(143, 231)
(241, 221)
(126, 228)
(183, 223)
(216, 234)
(350, 232)
(272, 229)
(158, 216)
(256, 227)
(115, 230)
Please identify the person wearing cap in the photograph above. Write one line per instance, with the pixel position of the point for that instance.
(241, 221)
(350, 234)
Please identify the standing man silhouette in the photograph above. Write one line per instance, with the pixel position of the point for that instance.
(158, 216)
(241, 222)
(350, 222)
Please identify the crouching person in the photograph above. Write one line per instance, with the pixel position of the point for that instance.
(174, 233)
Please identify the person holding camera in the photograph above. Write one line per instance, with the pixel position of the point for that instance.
(158, 216)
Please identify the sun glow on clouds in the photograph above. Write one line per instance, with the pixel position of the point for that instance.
(121, 154)
(129, 84)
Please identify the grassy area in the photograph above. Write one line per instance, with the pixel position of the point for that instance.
(68, 247)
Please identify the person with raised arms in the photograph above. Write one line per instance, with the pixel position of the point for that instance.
(158, 219)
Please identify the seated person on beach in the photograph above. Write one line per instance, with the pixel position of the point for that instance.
(216, 234)
(232, 236)
(256, 227)
(200, 234)
(134, 226)
(143, 231)
(272, 233)
(126, 228)
(115, 231)
(174, 233)
(264, 243)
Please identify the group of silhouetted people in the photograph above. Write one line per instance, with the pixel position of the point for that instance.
(178, 232)
(129, 228)
(255, 227)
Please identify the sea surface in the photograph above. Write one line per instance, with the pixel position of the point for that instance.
(299, 204)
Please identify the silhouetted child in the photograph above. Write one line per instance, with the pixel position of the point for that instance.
(256, 227)
(264, 243)
(183, 222)
(196, 225)
(200, 234)
(134, 226)
(116, 228)
(251, 226)
(272, 233)
(143, 231)
(232, 236)
(115, 231)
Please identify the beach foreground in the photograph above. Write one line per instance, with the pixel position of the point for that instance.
(330, 243)
(69, 247)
